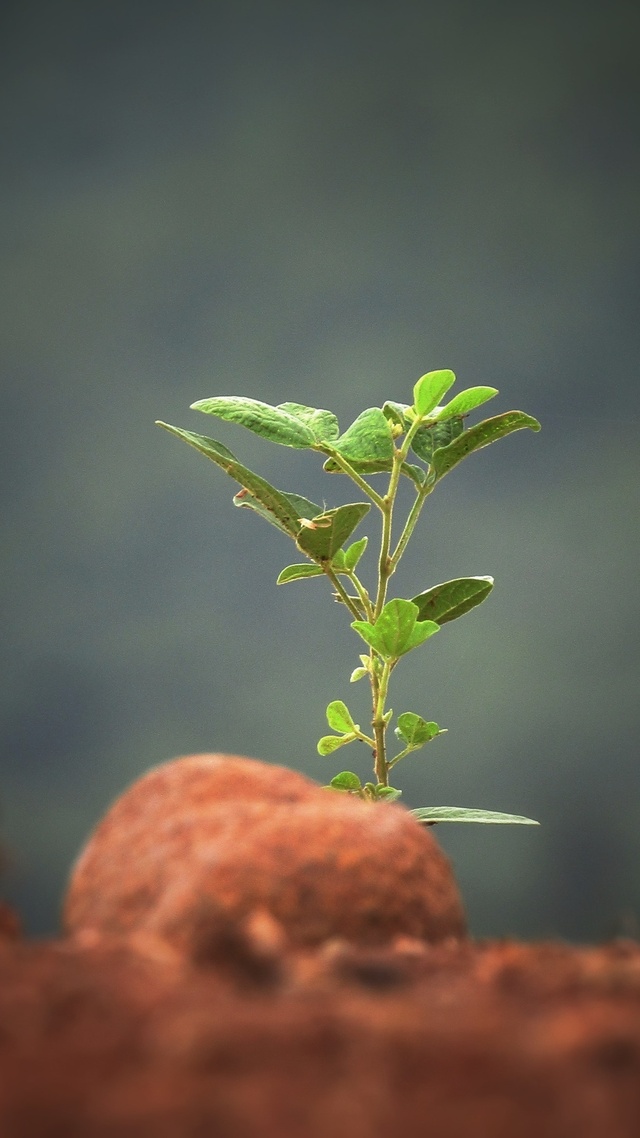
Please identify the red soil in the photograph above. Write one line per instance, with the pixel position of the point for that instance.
(217, 834)
(247, 1027)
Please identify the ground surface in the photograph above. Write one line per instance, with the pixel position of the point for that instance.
(122, 1036)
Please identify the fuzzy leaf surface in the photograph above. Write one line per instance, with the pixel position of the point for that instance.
(330, 743)
(353, 554)
(282, 510)
(339, 716)
(452, 599)
(430, 388)
(290, 424)
(484, 433)
(428, 439)
(367, 444)
(387, 793)
(346, 780)
(415, 473)
(461, 814)
(397, 629)
(414, 730)
(465, 401)
(322, 424)
(299, 508)
(324, 542)
(298, 573)
(396, 413)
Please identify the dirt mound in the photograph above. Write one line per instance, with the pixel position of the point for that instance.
(252, 957)
(218, 834)
(102, 1038)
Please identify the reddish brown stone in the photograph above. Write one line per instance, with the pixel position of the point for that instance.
(210, 838)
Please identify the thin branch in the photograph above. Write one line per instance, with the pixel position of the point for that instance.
(347, 468)
(362, 593)
(339, 587)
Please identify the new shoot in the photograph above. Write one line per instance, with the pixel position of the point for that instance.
(421, 442)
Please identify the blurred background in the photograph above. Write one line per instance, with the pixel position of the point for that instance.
(320, 202)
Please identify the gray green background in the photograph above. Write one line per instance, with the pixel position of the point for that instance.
(320, 202)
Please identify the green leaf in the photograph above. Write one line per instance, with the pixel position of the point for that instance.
(299, 507)
(415, 473)
(339, 716)
(452, 599)
(367, 444)
(388, 793)
(427, 439)
(290, 424)
(484, 433)
(422, 631)
(414, 730)
(431, 814)
(358, 674)
(465, 401)
(396, 630)
(409, 469)
(330, 530)
(346, 780)
(297, 572)
(396, 413)
(322, 424)
(282, 510)
(429, 390)
(330, 743)
(353, 554)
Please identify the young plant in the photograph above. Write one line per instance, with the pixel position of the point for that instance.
(379, 441)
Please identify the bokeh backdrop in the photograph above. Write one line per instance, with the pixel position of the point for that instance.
(320, 201)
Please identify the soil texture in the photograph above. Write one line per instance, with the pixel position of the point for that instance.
(108, 1036)
(246, 955)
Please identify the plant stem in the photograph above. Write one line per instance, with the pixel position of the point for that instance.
(339, 587)
(385, 566)
(383, 563)
(362, 593)
(396, 758)
(379, 686)
(410, 523)
(422, 494)
(347, 468)
(365, 738)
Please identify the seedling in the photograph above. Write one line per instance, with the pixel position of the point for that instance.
(380, 441)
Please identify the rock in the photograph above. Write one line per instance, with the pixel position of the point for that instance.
(211, 838)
